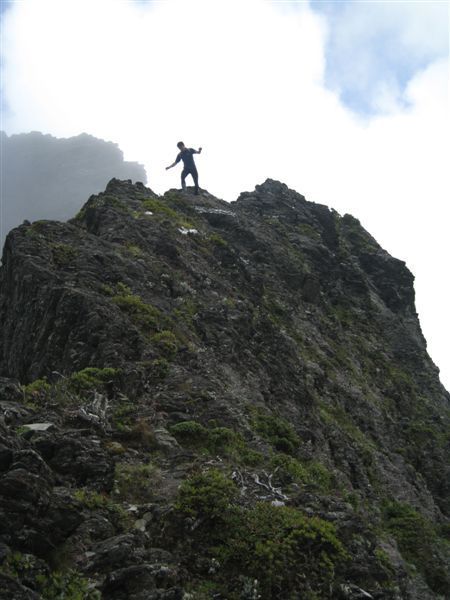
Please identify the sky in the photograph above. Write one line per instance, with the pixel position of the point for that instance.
(346, 102)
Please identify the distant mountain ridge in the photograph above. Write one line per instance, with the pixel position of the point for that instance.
(202, 400)
(44, 177)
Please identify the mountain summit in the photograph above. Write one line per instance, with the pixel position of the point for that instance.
(220, 400)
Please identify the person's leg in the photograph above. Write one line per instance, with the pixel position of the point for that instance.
(184, 172)
(195, 178)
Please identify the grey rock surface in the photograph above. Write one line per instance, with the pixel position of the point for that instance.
(268, 347)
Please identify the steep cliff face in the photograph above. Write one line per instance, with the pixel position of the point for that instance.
(213, 400)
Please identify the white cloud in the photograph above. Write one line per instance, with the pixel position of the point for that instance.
(245, 81)
(375, 46)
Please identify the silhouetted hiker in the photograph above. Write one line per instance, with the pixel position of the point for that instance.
(187, 156)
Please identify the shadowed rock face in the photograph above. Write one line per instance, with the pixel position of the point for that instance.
(44, 177)
(266, 352)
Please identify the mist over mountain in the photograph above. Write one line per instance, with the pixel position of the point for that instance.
(206, 400)
(44, 177)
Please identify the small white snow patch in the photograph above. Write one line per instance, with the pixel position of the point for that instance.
(185, 231)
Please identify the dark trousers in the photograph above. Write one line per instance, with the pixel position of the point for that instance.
(185, 173)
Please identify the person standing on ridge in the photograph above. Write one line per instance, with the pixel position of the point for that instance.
(189, 168)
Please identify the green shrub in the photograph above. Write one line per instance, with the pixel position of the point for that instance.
(221, 438)
(288, 553)
(166, 342)
(190, 433)
(106, 289)
(278, 432)
(419, 543)
(285, 550)
(123, 415)
(288, 469)
(216, 440)
(145, 316)
(311, 473)
(319, 476)
(206, 495)
(92, 378)
(159, 369)
(69, 585)
(38, 389)
(56, 585)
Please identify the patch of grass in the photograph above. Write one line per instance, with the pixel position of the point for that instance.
(336, 415)
(217, 240)
(354, 232)
(63, 254)
(344, 315)
(92, 500)
(22, 430)
(203, 590)
(123, 416)
(142, 435)
(73, 389)
(115, 202)
(136, 483)
(309, 231)
(134, 250)
(161, 208)
(401, 379)
(185, 314)
(276, 312)
(80, 214)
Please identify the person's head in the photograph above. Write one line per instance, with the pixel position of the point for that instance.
(180, 145)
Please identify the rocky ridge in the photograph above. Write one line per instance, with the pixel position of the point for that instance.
(211, 400)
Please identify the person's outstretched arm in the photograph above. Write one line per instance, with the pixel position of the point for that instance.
(177, 160)
(196, 151)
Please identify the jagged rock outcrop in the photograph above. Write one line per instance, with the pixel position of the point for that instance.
(212, 400)
(44, 177)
